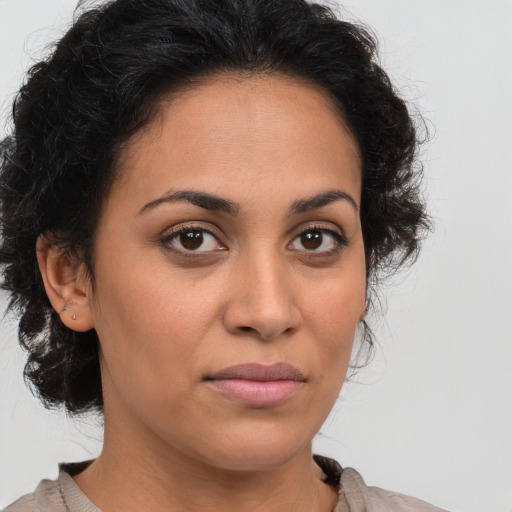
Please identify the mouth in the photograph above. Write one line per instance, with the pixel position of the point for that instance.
(258, 386)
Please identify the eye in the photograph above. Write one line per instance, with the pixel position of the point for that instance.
(192, 239)
(319, 240)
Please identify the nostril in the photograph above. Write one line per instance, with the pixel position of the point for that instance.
(247, 329)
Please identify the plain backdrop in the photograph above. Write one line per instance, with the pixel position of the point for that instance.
(432, 415)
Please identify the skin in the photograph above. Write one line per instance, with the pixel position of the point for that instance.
(254, 291)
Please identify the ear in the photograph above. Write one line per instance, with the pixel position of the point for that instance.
(66, 284)
(365, 310)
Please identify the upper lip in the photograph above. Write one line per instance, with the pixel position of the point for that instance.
(260, 372)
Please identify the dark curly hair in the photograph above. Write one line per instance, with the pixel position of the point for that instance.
(102, 83)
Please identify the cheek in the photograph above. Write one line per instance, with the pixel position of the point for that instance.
(339, 314)
(150, 330)
(334, 315)
(141, 291)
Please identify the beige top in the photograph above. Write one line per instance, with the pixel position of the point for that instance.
(63, 495)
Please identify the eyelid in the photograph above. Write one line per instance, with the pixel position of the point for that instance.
(320, 226)
(174, 231)
(199, 226)
(335, 231)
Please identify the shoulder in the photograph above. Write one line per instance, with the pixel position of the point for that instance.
(61, 495)
(47, 496)
(361, 498)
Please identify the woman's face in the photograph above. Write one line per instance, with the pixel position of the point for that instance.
(230, 273)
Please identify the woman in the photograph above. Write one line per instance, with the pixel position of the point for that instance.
(196, 200)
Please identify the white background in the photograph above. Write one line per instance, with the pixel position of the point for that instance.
(432, 416)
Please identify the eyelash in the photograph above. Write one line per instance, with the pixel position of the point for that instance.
(340, 241)
(167, 239)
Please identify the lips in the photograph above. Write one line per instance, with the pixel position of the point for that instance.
(256, 385)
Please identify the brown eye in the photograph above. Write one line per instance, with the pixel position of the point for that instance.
(311, 239)
(321, 241)
(191, 240)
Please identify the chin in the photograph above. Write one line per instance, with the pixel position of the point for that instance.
(257, 452)
(256, 460)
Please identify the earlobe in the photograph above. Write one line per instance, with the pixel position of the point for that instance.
(66, 284)
(365, 311)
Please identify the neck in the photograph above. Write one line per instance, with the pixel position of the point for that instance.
(142, 473)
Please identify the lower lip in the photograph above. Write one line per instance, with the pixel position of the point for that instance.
(256, 393)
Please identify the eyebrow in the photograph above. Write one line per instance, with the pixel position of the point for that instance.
(322, 199)
(215, 203)
(201, 199)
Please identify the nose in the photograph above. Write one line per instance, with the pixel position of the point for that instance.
(262, 303)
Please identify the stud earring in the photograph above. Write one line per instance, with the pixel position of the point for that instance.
(65, 308)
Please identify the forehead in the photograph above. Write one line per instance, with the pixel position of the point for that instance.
(255, 128)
